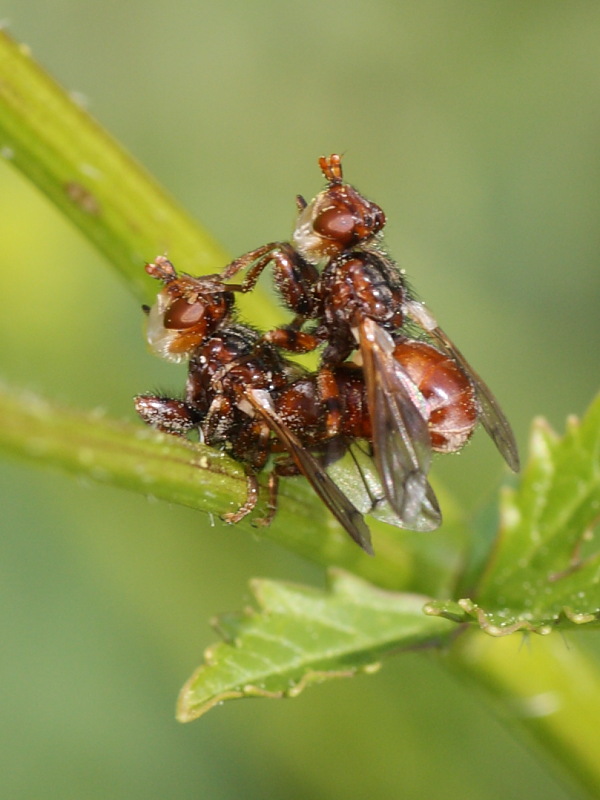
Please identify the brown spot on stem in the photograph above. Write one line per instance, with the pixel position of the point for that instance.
(83, 198)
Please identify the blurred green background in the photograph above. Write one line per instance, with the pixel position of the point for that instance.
(477, 127)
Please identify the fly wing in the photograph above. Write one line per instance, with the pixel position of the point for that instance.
(336, 501)
(401, 441)
(356, 475)
(491, 415)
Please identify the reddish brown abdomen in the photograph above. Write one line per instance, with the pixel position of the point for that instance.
(448, 393)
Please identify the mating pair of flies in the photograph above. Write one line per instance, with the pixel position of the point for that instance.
(391, 387)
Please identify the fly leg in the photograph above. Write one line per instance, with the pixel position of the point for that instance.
(294, 277)
(273, 487)
(258, 258)
(292, 339)
(166, 414)
(329, 394)
(251, 447)
(218, 421)
(252, 491)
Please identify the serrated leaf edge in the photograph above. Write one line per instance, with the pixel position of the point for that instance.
(187, 713)
(473, 612)
(341, 584)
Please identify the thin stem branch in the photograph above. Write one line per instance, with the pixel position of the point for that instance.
(546, 691)
(90, 178)
(171, 468)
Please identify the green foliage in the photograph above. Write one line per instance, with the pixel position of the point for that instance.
(301, 636)
(545, 569)
(538, 578)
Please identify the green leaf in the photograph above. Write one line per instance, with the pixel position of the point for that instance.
(545, 569)
(300, 636)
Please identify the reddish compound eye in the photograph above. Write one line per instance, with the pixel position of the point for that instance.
(335, 223)
(183, 315)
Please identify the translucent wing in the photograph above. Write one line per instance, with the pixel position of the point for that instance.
(401, 441)
(491, 415)
(335, 500)
(356, 475)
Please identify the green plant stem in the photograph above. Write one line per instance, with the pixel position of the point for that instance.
(90, 178)
(137, 458)
(547, 692)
